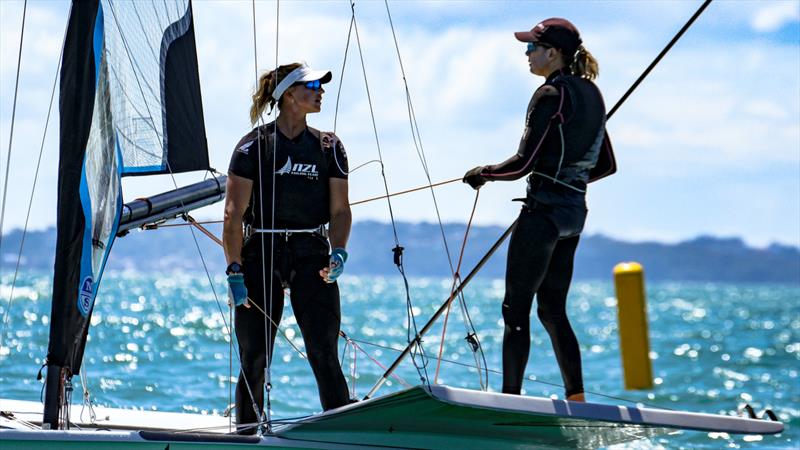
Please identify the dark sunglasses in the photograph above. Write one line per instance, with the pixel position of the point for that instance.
(532, 46)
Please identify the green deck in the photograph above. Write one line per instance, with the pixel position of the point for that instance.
(415, 419)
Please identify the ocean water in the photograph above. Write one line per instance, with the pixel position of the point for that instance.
(159, 342)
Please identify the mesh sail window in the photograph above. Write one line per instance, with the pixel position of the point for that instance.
(154, 86)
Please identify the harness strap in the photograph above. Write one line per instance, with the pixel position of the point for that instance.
(249, 231)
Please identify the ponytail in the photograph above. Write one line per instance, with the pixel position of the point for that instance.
(584, 65)
(266, 86)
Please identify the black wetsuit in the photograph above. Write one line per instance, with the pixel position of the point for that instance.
(302, 171)
(542, 246)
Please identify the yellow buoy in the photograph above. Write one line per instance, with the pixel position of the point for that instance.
(632, 316)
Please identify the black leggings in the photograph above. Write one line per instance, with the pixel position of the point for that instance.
(540, 262)
(297, 262)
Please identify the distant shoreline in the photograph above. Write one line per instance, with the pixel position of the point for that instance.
(700, 259)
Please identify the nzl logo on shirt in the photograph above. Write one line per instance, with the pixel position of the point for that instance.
(307, 170)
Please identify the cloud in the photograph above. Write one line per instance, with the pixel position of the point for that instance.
(709, 135)
(774, 16)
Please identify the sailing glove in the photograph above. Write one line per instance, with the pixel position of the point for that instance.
(237, 292)
(474, 177)
(336, 264)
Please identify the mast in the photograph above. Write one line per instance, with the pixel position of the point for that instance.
(80, 68)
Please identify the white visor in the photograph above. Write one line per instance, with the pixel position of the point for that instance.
(302, 73)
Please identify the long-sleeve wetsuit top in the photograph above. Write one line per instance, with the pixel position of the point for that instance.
(549, 152)
(300, 172)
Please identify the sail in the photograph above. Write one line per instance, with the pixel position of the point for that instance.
(130, 105)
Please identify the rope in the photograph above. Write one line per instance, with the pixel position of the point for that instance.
(174, 182)
(267, 317)
(407, 191)
(417, 139)
(33, 187)
(202, 229)
(456, 279)
(344, 65)
(348, 340)
(398, 250)
(13, 116)
(528, 378)
(354, 343)
(267, 334)
(439, 311)
(394, 194)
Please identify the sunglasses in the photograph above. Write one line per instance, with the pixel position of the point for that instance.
(313, 85)
(532, 46)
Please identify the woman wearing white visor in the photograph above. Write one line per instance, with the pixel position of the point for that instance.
(286, 181)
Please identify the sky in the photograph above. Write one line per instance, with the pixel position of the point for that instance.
(709, 144)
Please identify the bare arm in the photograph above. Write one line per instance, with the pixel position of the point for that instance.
(237, 197)
(341, 218)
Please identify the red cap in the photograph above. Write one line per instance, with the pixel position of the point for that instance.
(558, 32)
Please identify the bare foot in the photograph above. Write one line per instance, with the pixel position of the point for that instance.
(579, 397)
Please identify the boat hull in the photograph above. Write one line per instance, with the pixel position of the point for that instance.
(436, 417)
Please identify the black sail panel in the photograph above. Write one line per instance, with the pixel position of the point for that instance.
(79, 79)
(185, 135)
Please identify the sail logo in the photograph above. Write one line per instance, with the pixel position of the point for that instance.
(85, 296)
(307, 170)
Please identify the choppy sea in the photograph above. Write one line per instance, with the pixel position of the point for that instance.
(159, 342)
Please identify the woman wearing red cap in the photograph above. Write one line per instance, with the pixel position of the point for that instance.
(286, 180)
(563, 148)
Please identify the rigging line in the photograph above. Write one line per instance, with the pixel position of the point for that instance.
(13, 116)
(87, 400)
(374, 126)
(659, 57)
(438, 312)
(33, 188)
(493, 249)
(175, 183)
(407, 191)
(417, 139)
(398, 249)
(267, 334)
(394, 194)
(203, 229)
(456, 279)
(344, 64)
(354, 343)
(500, 372)
(283, 333)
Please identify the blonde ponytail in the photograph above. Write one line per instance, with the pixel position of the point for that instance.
(266, 86)
(584, 65)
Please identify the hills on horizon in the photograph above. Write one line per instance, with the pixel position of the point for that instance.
(703, 258)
